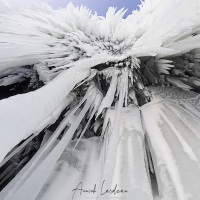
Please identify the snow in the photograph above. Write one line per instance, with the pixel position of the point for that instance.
(28, 187)
(22, 114)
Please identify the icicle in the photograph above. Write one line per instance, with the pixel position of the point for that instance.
(96, 125)
(164, 68)
(48, 121)
(93, 73)
(163, 61)
(130, 75)
(95, 106)
(43, 103)
(105, 124)
(46, 137)
(39, 175)
(132, 95)
(126, 87)
(114, 137)
(108, 99)
(18, 149)
(16, 183)
(139, 85)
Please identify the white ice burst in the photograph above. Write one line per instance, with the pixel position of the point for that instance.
(63, 70)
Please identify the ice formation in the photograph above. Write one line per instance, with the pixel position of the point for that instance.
(109, 98)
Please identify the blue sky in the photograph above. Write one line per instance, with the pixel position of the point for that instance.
(101, 6)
